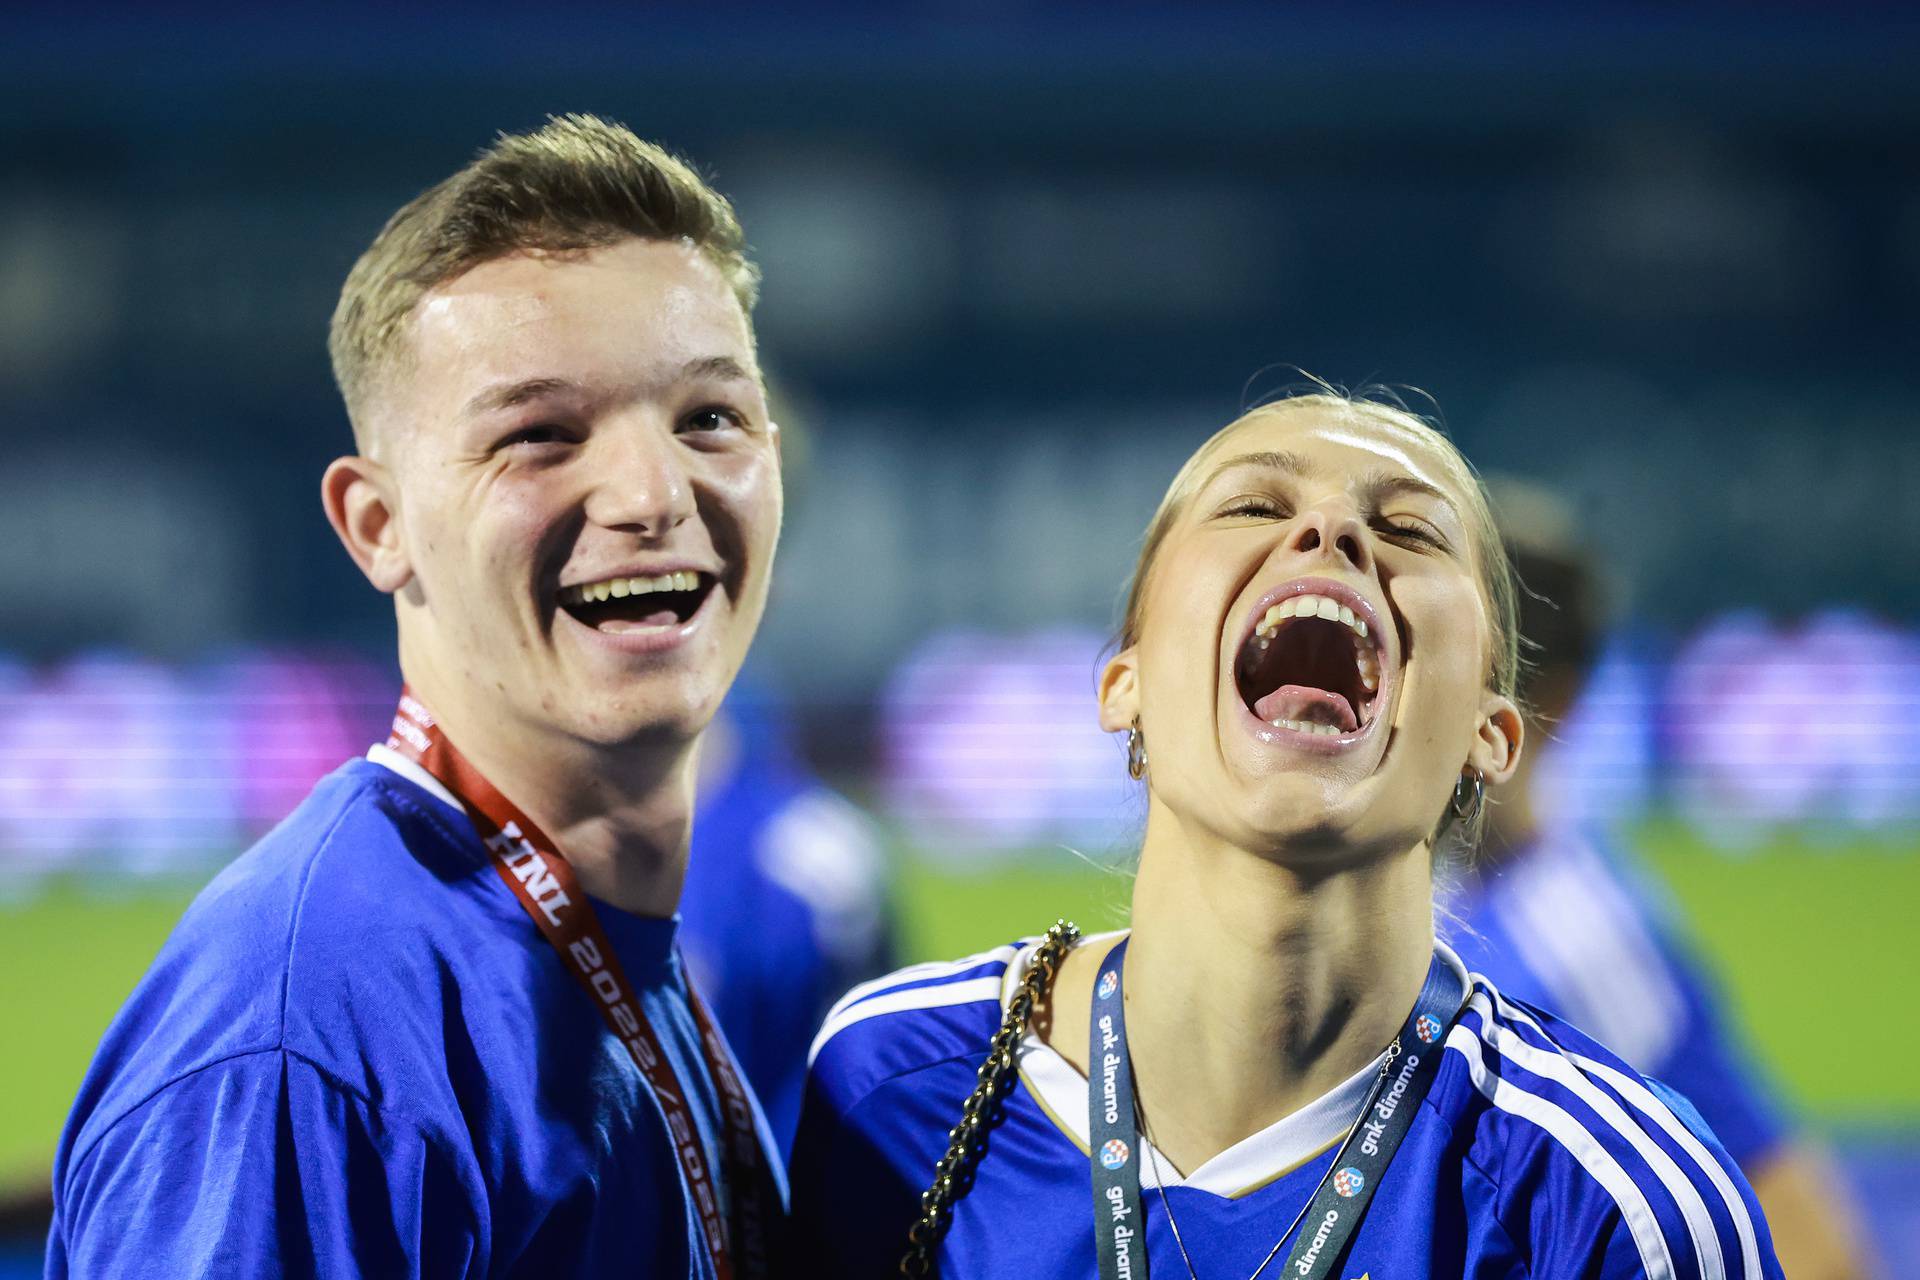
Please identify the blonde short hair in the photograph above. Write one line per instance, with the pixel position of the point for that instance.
(1490, 556)
(578, 183)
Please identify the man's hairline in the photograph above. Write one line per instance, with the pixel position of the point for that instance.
(393, 360)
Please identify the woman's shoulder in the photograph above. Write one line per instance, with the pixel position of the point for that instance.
(1590, 1151)
(911, 1019)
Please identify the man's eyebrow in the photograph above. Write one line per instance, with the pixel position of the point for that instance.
(513, 394)
(719, 369)
(508, 395)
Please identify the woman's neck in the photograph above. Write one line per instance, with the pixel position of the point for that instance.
(1253, 988)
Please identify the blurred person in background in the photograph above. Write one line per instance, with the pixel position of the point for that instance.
(410, 1032)
(785, 907)
(786, 902)
(1548, 914)
(1315, 675)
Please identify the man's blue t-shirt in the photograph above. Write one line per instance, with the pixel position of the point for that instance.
(356, 1055)
(1561, 925)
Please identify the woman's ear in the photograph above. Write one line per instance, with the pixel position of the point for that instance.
(1497, 743)
(361, 504)
(1120, 691)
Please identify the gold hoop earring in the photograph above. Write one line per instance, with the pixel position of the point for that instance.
(1136, 752)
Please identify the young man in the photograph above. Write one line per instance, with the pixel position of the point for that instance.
(435, 1023)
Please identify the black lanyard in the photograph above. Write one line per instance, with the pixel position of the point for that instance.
(1340, 1201)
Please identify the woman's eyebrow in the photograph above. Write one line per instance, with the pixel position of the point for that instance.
(1385, 484)
(1270, 460)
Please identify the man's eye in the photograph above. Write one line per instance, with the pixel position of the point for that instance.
(541, 433)
(713, 417)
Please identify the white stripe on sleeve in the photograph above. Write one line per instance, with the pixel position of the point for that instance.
(926, 971)
(1649, 1102)
(1651, 1241)
(940, 995)
(1551, 1064)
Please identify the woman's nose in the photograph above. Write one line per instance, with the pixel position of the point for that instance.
(1335, 530)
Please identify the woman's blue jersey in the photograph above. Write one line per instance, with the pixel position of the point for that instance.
(1535, 1153)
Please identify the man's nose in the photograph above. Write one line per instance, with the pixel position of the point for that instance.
(1332, 528)
(642, 482)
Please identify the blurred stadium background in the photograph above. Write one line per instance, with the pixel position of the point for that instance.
(1018, 260)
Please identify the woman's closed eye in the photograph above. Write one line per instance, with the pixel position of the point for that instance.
(1255, 508)
(1409, 529)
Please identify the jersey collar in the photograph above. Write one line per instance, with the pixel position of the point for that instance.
(1241, 1169)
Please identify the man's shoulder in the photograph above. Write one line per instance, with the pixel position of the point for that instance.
(913, 1018)
(353, 865)
(332, 924)
(1559, 1122)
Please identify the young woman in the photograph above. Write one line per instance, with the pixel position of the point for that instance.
(1289, 1076)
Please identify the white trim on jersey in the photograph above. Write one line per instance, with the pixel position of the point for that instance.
(1555, 1066)
(1635, 1209)
(882, 993)
(382, 754)
(1245, 1167)
(1647, 1101)
(937, 996)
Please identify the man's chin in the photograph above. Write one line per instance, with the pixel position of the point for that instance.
(616, 717)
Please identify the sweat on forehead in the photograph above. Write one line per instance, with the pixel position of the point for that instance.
(1396, 439)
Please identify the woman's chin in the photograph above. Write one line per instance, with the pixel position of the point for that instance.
(1304, 817)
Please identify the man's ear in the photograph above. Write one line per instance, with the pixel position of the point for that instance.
(361, 504)
(1497, 744)
(1120, 691)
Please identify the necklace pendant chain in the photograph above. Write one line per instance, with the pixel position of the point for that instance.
(1160, 1185)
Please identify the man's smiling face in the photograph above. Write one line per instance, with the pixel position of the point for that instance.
(587, 492)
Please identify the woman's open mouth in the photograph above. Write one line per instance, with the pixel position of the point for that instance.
(616, 605)
(1311, 666)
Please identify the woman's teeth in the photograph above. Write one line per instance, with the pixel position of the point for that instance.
(621, 588)
(1312, 606)
(1309, 606)
(1308, 726)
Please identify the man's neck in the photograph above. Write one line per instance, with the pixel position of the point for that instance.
(1253, 989)
(621, 817)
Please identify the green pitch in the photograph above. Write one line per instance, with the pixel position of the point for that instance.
(1816, 948)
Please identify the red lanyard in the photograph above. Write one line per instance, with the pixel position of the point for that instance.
(544, 885)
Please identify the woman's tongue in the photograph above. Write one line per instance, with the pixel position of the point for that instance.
(1304, 702)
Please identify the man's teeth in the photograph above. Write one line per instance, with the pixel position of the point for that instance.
(1308, 726)
(621, 588)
